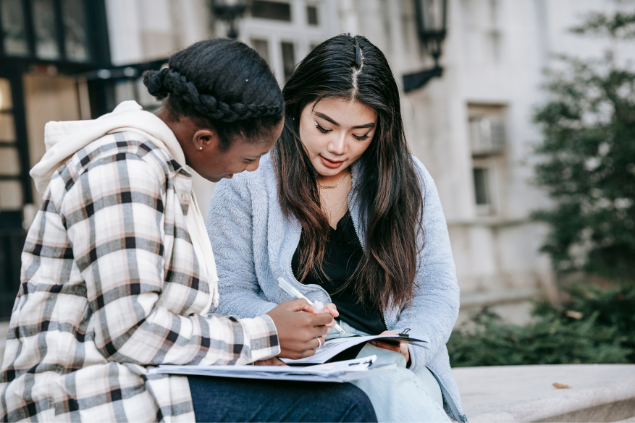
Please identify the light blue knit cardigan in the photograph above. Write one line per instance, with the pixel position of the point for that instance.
(254, 243)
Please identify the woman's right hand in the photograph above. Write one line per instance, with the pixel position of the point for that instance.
(298, 328)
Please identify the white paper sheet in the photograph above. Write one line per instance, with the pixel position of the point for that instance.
(334, 346)
(342, 371)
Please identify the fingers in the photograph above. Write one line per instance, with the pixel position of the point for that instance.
(298, 305)
(322, 340)
(391, 347)
(332, 309)
(406, 352)
(273, 361)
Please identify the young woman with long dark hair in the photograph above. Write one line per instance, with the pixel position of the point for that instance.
(118, 273)
(342, 210)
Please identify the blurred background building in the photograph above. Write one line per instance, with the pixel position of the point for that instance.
(471, 125)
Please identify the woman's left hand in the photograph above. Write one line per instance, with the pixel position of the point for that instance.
(273, 361)
(401, 348)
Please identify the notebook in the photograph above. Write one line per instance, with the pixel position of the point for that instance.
(338, 349)
(338, 372)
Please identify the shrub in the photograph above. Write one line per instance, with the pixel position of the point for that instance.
(596, 326)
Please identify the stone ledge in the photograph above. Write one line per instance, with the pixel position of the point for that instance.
(598, 393)
(475, 300)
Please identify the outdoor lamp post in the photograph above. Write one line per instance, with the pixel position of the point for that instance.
(229, 11)
(431, 18)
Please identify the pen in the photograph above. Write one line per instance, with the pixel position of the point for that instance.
(289, 289)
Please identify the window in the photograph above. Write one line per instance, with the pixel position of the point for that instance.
(278, 11)
(481, 186)
(487, 129)
(10, 185)
(47, 29)
(75, 38)
(288, 58)
(46, 46)
(312, 15)
(13, 28)
(262, 47)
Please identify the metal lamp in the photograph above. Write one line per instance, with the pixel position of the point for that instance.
(230, 11)
(431, 18)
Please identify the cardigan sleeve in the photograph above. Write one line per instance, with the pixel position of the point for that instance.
(434, 309)
(114, 215)
(230, 228)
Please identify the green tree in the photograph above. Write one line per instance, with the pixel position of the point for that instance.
(588, 157)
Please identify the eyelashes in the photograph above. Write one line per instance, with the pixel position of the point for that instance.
(326, 131)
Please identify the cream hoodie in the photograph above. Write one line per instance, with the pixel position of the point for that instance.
(64, 139)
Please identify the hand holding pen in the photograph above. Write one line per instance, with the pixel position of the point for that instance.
(289, 289)
(301, 331)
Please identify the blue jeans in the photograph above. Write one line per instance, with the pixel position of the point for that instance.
(241, 400)
(402, 396)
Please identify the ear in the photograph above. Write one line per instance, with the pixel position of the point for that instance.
(204, 139)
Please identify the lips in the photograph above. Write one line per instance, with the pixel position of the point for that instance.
(330, 163)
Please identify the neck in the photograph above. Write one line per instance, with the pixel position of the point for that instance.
(333, 179)
(177, 127)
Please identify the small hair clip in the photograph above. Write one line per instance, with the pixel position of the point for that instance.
(358, 54)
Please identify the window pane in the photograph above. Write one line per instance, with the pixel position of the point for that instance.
(10, 195)
(75, 37)
(13, 28)
(44, 25)
(312, 15)
(6, 102)
(262, 47)
(288, 59)
(481, 186)
(9, 161)
(271, 10)
(7, 127)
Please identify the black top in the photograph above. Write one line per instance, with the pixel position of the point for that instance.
(341, 257)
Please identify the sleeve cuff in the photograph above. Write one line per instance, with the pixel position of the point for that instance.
(262, 336)
(413, 359)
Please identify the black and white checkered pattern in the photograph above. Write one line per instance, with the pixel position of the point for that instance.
(110, 285)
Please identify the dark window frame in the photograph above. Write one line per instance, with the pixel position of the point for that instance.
(96, 33)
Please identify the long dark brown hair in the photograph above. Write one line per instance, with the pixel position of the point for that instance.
(388, 187)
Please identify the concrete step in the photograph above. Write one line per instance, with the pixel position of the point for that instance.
(596, 393)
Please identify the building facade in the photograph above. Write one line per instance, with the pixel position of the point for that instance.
(472, 127)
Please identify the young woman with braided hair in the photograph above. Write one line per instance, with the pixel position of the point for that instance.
(341, 210)
(118, 273)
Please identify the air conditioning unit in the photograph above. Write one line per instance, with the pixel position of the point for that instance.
(487, 136)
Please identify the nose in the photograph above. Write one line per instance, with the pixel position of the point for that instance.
(338, 144)
(253, 165)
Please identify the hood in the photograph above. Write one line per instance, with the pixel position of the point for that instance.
(63, 139)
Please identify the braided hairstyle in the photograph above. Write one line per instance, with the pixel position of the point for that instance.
(223, 83)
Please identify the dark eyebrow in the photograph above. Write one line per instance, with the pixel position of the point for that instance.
(325, 117)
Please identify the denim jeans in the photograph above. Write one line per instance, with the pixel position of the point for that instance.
(403, 395)
(241, 400)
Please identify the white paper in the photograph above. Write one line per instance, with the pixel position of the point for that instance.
(334, 346)
(341, 371)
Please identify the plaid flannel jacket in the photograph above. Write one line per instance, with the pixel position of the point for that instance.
(110, 285)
